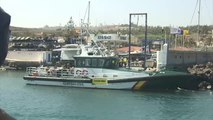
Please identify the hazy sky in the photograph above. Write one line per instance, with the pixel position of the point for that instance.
(38, 13)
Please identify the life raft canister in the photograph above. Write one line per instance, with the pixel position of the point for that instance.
(85, 72)
(78, 72)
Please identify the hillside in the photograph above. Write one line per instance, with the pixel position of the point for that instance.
(154, 33)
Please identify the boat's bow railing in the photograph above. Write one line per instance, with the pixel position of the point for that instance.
(49, 72)
(63, 73)
(31, 70)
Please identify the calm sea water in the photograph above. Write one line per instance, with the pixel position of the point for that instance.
(25, 102)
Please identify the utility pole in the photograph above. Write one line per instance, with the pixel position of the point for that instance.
(130, 32)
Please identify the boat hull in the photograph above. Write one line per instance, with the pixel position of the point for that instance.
(153, 82)
(78, 82)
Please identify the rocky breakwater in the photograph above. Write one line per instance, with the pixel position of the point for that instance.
(205, 71)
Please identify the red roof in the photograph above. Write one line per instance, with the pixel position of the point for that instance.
(182, 49)
(133, 49)
(126, 49)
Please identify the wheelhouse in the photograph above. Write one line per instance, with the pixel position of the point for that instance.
(97, 62)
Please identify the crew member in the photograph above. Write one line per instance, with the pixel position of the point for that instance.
(125, 61)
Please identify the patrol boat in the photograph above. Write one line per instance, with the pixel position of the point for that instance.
(96, 69)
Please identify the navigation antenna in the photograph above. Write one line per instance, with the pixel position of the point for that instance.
(198, 27)
(198, 3)
(85, 26)
(88, 18)
(97, 46)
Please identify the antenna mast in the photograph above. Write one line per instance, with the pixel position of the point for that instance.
(88, 22)
(198, 28)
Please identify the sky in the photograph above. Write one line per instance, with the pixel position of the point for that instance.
(38, 13)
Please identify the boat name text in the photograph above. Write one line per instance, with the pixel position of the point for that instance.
(73, 84)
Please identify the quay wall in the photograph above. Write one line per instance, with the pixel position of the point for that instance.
(186, 58)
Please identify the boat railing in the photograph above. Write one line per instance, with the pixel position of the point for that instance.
(63, 73)
(49, 72)
(31, 70)
(137, 63)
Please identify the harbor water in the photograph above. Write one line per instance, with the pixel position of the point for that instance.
(27, 102)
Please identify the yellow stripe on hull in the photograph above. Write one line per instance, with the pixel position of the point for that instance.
(139, 85)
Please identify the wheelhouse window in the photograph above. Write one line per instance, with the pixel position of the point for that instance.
(91, 62)
(100, 62)
(94, 62)
(87, 62)
(106, 64)
(79, 63)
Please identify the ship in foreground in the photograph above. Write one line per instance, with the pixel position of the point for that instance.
(96, 69)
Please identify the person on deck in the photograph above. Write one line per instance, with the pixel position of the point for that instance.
(121, 62)
(125, 61)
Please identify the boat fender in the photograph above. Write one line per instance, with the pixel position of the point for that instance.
(78, 72)
(85, 72)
